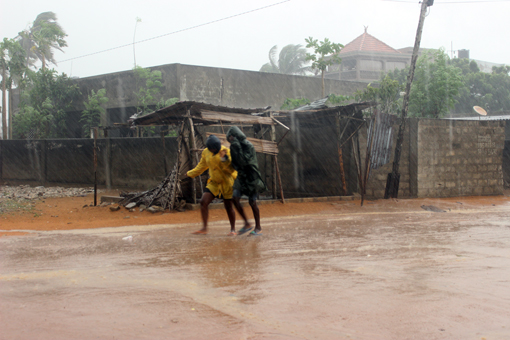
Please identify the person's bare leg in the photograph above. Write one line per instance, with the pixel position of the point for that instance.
(231, 214)
(207, 198)
(240, 210)
(256, 215)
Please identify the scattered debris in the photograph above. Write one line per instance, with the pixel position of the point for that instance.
(115, 208)
(432, 208)
(40, 192)
(23, 197)
(128, 238)
(155, 209)
(161, 197)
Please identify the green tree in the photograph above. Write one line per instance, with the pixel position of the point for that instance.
(336, 100)
(44, 104)
(148, 89)
(12, 63)
(42, 38)
(435, 86)
(325, 53)
(291, 60)
(94, 109)
(488, 90)
(148, 93)
(386, 94)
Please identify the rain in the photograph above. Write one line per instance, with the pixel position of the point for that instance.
(372, 138)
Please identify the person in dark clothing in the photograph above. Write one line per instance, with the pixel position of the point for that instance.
(249, 181)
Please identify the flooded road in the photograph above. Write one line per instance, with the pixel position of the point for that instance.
(381, 273)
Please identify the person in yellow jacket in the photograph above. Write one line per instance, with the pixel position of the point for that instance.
(222, 175)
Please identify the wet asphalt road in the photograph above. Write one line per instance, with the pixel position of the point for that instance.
(381, 273)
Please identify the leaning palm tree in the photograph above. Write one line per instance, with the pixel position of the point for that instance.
(42, 38)
(12, 59)
(291, 60)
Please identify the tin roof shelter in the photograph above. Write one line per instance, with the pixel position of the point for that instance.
(188, 116)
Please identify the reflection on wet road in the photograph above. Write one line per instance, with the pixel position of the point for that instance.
(374, 275)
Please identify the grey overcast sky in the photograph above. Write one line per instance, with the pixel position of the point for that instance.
(218, 34)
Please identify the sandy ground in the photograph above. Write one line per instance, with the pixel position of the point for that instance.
(69, 213)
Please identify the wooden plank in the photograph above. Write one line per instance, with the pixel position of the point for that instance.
(214, 116)
(260, 145)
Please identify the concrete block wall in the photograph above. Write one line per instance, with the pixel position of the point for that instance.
(121, 162)
(440, 158)
(460, 158)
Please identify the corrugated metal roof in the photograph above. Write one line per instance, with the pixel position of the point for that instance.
(481, 118)
(383, 137)
(174, 113)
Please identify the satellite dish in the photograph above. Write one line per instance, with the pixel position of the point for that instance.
(480, 110)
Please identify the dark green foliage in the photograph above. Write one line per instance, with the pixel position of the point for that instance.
(335, 100)
(12, 67)
(44, 104)
(294, 103)
(387, 95)
(488, 90)
(94, 109)
(41, 38)
(434, 91)
(325, 53)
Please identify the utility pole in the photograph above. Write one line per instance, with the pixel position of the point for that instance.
(393, 181)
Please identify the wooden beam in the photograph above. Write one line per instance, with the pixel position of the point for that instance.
(280, 123)
(260, 145)
(213, 116)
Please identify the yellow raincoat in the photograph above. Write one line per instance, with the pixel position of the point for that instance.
(221, 174)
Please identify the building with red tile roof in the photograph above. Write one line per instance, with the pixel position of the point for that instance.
(365, 58)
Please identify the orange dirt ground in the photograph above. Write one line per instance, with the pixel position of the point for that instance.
(67, 213)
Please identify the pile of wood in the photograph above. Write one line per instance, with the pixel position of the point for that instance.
(171, 193)
(163, 196)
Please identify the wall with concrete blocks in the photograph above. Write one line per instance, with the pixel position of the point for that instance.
(440, 158)
(460, 158)
(445, 158)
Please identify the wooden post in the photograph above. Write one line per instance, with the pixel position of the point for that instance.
(191, 144)
(340, 154)
(368, 157)
(162, 134)
(44, 161)
(194, 151)
(108, 163)
(95, 167)
(1, 159)
(177, 166)
(279, 179)
(393, 180)
(273, 167)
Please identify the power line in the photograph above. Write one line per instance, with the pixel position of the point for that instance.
(178, 31)
(450, 2)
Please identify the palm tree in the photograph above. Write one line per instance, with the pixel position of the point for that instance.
(12, 60)
(42, 38)
(291, 60)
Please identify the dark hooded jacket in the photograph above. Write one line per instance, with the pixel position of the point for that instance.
(244, 160)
